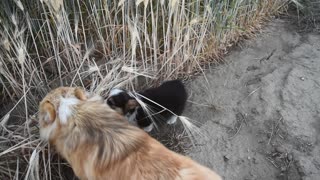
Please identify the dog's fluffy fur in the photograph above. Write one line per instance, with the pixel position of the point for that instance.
(100, 144)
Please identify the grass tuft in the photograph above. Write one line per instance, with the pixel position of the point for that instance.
(308, 14)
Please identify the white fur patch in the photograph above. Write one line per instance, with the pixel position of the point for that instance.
(65, 108)
(114, 92)
(148, 128)
(132, 116)
(172, 120)
(46, 132)
(47, 117)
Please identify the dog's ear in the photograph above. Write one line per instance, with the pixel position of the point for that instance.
(80, 94)
(47, 112)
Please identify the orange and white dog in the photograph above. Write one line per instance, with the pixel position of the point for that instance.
(100, 144)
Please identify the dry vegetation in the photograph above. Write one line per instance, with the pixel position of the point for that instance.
(308, 12)
(98, 45)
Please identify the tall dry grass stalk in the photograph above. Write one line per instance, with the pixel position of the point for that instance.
(99, 44)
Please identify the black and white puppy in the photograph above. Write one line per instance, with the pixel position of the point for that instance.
(165, 103)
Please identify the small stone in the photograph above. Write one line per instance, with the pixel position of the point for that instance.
(283, 169)
(290, 157)
(280, 149)
(249, 157)
(226, 158)
(302, 78)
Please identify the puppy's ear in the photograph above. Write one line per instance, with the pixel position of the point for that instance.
(47, 112)
(80, 94)
(131, 104)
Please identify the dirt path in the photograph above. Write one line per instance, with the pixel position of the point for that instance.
(261, 111)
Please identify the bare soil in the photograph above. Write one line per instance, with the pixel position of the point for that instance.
(260, 111)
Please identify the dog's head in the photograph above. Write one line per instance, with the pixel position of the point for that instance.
(56, 109)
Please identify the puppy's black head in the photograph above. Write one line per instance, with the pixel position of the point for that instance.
(121, 101)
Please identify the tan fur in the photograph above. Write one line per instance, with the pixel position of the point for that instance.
(80, 94)
(100, 144)
(131, 104)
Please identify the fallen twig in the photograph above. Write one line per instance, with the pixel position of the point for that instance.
(267, 57)
(273, 130)
(272, 162)
(239, 128)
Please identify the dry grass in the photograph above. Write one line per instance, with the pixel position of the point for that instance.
(98, 45)
(307, 15)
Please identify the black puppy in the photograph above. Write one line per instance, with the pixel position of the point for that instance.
(171, 95)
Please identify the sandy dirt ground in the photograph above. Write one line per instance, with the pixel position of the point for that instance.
(260, 111)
